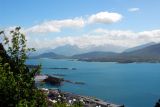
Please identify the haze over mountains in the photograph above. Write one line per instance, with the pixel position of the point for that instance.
(70, 50)
(140, 47)
(48, 55)
(149, 52)
(95, 54)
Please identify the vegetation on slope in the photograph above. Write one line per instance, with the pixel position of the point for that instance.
(17, 85)
(17, 88)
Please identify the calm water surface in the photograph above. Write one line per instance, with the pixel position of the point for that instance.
(134, 85)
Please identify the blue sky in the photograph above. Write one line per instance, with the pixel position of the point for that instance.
(30, 13)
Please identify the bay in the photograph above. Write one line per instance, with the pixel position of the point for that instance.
(134, 84)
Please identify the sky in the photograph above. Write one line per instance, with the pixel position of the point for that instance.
(53, 23)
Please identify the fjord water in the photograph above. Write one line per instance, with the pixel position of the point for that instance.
(134, 85)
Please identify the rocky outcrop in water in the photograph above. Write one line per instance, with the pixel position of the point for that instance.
(53, 80)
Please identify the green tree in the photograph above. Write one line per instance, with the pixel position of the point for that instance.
(17, 85)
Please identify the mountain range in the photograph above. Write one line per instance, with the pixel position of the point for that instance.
(69, 50)
(95, 54)
(48, 55)
(149, 52)
(140, 47)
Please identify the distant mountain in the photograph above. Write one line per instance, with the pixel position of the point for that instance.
(95, 54)
(149, 53)
(48, 55)
(69, 50)
(39, 51)
(106, 48)
(140, 47)
(145, 53)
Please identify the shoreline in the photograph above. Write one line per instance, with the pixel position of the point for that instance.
(56, 95)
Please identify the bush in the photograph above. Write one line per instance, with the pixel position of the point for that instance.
(17, 85)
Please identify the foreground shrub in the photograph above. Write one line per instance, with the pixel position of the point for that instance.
(17, 85)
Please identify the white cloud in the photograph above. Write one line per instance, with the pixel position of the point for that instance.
(56, 25)
(78, 22)
(133, 9)
(99, 37)
(105, 18)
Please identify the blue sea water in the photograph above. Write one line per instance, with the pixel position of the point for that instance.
(134, 84)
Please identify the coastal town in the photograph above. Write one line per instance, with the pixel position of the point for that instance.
(70, 99)
(56, 95)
